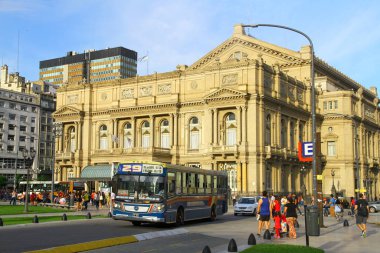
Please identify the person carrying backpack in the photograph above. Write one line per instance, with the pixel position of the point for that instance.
(362, 211)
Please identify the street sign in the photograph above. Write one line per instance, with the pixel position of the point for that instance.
(305, 151)
(319, 177)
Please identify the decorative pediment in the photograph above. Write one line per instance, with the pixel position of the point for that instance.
(244, 47)
(330, 136)
(225, 93)
(67, 111)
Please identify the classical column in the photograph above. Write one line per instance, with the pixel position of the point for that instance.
(239, 124)
(239, 177)
(113, 145)
(152, 132)
(76, 136)
(244, 124)
(244, 177)
(80, 137)
(278, 130)
(215, 127)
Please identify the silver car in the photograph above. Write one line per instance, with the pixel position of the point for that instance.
(246, 205)
(374, 206)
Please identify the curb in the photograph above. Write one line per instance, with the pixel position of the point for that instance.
(110, 242)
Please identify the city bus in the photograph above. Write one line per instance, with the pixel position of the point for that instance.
(163, 193)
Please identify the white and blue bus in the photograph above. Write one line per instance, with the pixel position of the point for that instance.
(164, 193)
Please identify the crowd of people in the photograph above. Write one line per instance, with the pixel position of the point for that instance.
(282, 210)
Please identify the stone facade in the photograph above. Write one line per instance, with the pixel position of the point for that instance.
(242, 107)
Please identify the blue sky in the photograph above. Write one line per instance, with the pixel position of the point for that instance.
(345, 33)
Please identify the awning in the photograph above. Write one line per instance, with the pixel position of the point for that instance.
(101, 172)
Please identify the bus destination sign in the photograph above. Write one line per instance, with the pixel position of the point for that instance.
(152, 168)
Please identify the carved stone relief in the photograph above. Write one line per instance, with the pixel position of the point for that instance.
(164, 88)
(72, 99)
(369, 113)
(127, 93)
(146, 91)
(194, 85)
(291, 94)
(300, 96)
(229, 79)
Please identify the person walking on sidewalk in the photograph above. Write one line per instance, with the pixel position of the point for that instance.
(264, 208)
(290, 212)
(13, 198)
(362, 211)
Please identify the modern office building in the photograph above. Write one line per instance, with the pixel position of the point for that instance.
(19, 126)
(242, 108)
(25, 122)
(91, 66)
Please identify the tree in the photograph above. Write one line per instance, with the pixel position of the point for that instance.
(3, 181)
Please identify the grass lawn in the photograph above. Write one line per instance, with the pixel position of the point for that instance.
(281, 248)
(8, 210)
(26, 220)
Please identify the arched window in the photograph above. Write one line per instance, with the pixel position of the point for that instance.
(165, 134)
(268, 131)
(230, 124)
(292, 144)
(103, 138)
(128, 136)
(194, 133)
(284, 131)
(145, 134)
(72, 139)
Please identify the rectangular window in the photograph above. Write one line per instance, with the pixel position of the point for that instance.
(201, 184)
(32, 129)
(330, 105)
(10, 148)
(184, 182)
(12, 116)
(11, 127)
(11, 137)
(23, 108)
(23, 128)
(33, 120)
(331, 149)
(23, 118)
(178, 187)
(194, 140)
(22, 138)
(335, 104)
(324, 105)
(12, 105)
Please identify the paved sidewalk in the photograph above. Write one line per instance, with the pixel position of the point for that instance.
(334, 238)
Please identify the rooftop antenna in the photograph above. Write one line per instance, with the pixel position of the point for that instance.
(18, 48)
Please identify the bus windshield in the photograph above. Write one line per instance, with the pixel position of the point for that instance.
(135, 188)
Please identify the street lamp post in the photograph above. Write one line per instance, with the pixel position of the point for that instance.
(303, 186)
(25, 155)
(314, 128)
(57, 132)
(333, 189)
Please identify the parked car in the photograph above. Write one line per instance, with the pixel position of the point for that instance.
(374, 206)
(246, 205)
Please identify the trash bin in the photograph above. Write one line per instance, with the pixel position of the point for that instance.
(312, 221)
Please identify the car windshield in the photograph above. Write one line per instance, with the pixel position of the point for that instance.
(246, 201)
(140, 188)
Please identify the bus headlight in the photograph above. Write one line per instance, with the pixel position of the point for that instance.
(117, 205)
(157, 208)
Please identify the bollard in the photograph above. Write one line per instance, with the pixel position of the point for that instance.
(88, 216)
(267, 235)
(232, 247)
(296, 224)
(1, 222)
(251, 240)
(35, 219)
(206, 249)
(345, 223)
(64, 217)
(109, 214)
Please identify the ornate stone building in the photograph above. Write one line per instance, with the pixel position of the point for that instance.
(242, 107)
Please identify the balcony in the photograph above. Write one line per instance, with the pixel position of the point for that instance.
(225, 150)
(277, 152)
(65, 156)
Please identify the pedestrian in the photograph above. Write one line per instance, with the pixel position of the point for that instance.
(277, 224)
(113, 195)
(362, 213)
(96, 200)
(291, 217)
(338, 209)
(264, 209)
(13, 198)
(352, 206)
(79, 201)
(86, 199)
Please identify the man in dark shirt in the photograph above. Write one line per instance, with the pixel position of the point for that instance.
(362, 211)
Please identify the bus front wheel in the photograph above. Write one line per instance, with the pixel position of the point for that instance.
(180, 218)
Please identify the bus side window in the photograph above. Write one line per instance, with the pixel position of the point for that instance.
(215, 185)
(208, 184)
(178, 182)
(201, 185)
(192, 187)
(184, 182)
(171, 184)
